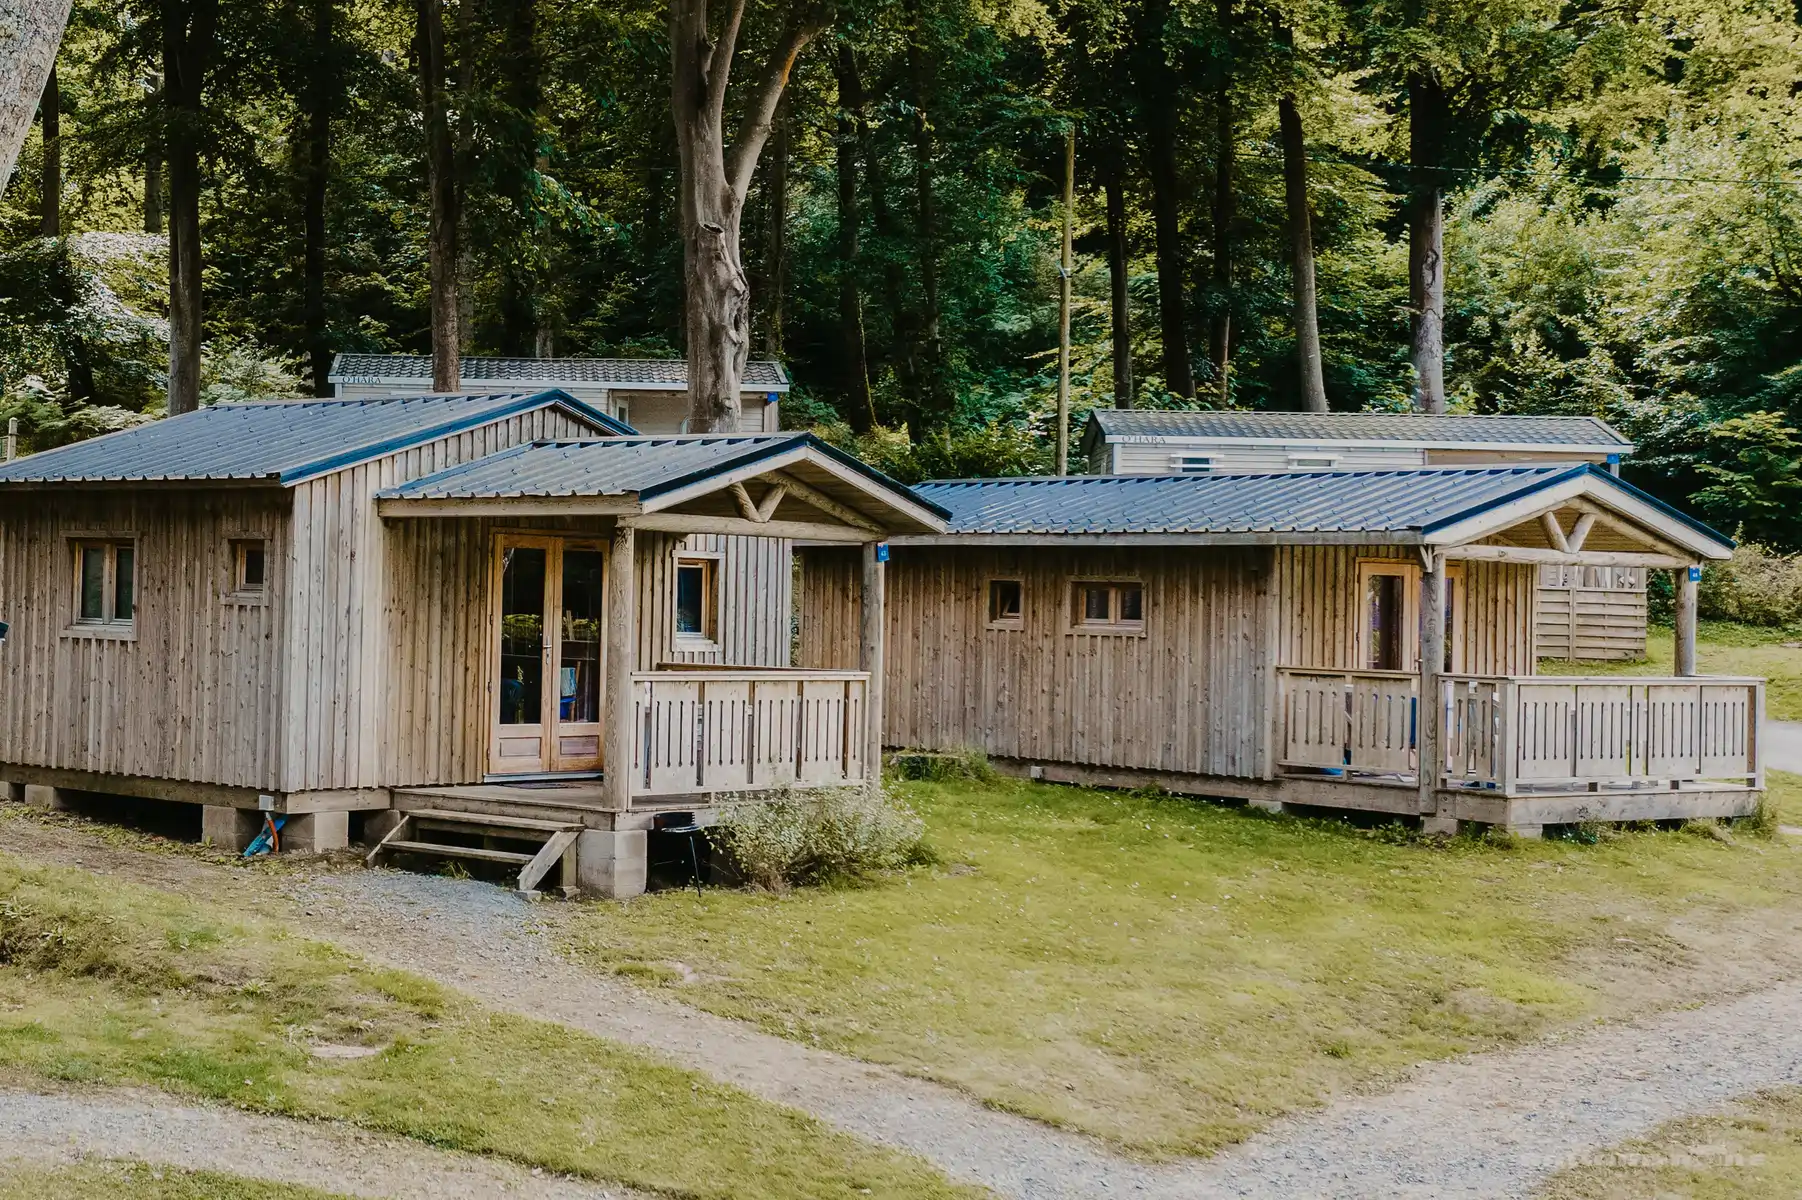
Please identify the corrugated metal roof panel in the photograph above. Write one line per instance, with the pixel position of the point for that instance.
(275, 440)
(1442, 429)
(1301, 503)
(514, 372)
(613, 467)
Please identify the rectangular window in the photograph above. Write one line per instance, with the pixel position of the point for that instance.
(1109, 607)
(250, 567)
(1312, 462)
(1007, 603)
(1192, 464)
(106, 584)
(697, 602)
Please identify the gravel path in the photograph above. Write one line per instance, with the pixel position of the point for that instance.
(1783, 745)
(1493, 1125)
(59, 1128)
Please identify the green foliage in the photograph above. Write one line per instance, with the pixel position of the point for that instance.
(1754, 587)
(819, 835)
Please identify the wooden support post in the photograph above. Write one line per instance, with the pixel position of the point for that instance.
(622, 653)
(870, 651)
(1685, 579)
(1428, 751)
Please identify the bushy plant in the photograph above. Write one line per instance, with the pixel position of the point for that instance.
(811, 836)
(1756, 586)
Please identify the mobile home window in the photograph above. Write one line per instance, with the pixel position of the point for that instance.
(105, 583)
(1007, 603)
(250, 566)
(1313, 462)
(1192, 464)
(1108, 606)
(697, 602)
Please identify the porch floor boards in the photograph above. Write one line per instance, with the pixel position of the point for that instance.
(575, 804)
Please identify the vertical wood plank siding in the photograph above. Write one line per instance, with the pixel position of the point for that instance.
(197, 695)
(1189, 695)
(1193, 695)
(756, 587)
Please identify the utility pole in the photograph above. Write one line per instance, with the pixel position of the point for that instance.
(1065, 269)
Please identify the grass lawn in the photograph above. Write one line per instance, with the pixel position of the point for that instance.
(1722, 648)
(101, 982)
(137, 1181)
(1171, 974)
(1753, 1152)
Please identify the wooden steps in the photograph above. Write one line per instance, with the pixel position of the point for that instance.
(556, 841)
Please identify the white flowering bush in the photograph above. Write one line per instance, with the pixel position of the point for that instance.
(801, 837)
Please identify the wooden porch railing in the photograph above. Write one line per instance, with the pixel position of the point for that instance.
(746, 730)
(1519, 734)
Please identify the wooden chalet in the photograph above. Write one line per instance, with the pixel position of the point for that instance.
(501, 626)
(1585, 611)
(649, 394)
(1271, 637)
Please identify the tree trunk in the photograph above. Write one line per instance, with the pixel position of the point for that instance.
(1426, 240)
(27, 54)
(318, 99)
(442, 242)
(1120, 315)
(50, 178)
(859, 408)
(934, 402)
(1301, 253)
(1220, 322)
(153, 161)
(188, 31)
(1179, 374)
(717, 299)
(776, 216)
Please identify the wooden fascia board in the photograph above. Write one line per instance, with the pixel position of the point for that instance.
(668, 522)
(1539, 555)
(774, 463)
(508, 506)
(1616, 505)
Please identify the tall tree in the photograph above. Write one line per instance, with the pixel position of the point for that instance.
(189, 32)
(1158, 107)
(714, 182)
(1220, 317)
(50, 177)
(776, 222)
(517, 159)
(27, 56)
(153, 157)
(318, 102)
(859, 409)
(1120, 295)
(442, 241)
(1301, 257)
(1426, 237)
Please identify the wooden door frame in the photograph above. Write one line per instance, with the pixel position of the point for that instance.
(546, 715)
(558, 763)
(1410, 576)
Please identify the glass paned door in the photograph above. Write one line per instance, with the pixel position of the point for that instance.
(547, 693)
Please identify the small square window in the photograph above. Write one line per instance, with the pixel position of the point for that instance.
(106, 584)
(697, 599)
(250, 567)
(1007, 603)
(1109, 607)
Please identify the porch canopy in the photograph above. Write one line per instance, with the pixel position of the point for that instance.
(784, 485)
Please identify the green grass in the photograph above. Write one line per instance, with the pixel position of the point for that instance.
(138, 1181)
(1171, 974)
(102, 983)
(1753, 1152)
(1722, 648)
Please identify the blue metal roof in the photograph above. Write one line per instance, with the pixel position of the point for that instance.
(284, 441)
(1444, 430)
(646, 467)
(1308, 505)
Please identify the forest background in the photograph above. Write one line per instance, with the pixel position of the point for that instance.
(1620, 185)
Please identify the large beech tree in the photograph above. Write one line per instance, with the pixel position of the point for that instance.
(715, 179)
(29, 36)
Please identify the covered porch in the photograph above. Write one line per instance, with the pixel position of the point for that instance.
(1523, 751)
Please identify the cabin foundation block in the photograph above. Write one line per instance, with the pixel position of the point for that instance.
(50, 799)
(1439, 826)
(12, 792)
(612, 862)
(378, 825)
(317, 833)
(229, 828)
(1530, 833)
(1263, 804)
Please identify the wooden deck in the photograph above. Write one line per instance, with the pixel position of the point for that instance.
(577, 802)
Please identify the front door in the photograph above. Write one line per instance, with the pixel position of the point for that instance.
(547, 661)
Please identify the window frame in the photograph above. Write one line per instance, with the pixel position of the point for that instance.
(108, 624)
(1193, 464)
(1018, 619)
(237, 591)
(1410, 573)
(1330, 462)
(1115, 625)
(709, 562)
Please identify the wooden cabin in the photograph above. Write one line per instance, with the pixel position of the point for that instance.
(1584, 612)
(1270, 637)
(649, 394)
(449, 616)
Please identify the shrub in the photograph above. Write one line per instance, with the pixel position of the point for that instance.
(817, 835)
(1756, 586)
(967, 764)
